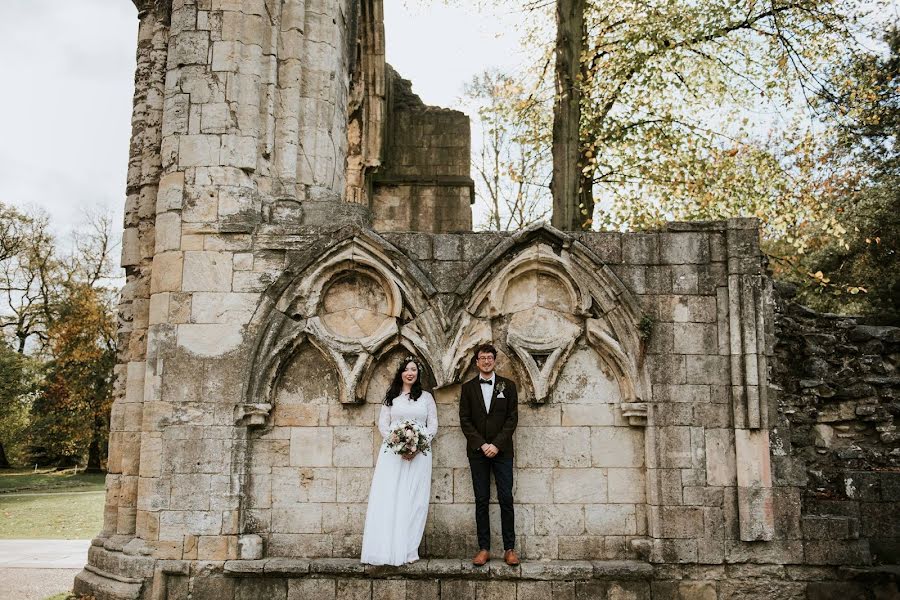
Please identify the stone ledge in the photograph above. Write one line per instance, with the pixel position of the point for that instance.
(554, 570)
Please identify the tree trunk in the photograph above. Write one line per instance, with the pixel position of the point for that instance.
(93, 463)
(566, 181)
(4, 462)
(94, 457)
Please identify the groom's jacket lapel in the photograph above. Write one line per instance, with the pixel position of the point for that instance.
(477, 398)
(494, 393)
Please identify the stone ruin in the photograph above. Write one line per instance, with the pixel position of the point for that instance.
(297, 219)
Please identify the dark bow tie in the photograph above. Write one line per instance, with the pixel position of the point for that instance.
(485, 381)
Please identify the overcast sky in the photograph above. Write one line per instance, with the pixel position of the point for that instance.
(67, 69)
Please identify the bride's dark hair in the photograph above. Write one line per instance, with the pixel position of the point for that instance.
(397, 383)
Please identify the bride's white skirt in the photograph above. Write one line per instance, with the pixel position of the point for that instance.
(398, 507)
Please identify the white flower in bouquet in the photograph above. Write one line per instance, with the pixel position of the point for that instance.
(407, 438)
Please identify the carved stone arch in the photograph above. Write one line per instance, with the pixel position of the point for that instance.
(539, 257)
(594, 304)
(295, 309)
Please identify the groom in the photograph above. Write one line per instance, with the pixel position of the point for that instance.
(488, 414)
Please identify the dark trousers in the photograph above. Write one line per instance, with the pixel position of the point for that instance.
(502, 467)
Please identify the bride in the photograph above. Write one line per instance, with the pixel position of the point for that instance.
(401, 485)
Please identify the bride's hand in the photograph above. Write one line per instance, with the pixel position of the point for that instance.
(409, 456)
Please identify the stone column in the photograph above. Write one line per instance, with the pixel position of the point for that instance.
(747, 312)
(144, 169)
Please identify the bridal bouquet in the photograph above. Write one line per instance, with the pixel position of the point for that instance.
(408, 438)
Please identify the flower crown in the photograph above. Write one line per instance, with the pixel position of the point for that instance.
(412, 359)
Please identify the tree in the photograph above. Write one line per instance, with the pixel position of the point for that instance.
(511, 167)
(671, 98)
(71, 413)
(572, 192)
(861, 273)
(57, 309)
(668, 87)
(16, 387)
(29, 277)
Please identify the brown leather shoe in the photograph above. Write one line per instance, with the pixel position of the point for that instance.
(481, 558)
(511, 558)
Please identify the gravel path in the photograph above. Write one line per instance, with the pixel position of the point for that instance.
(35, 584)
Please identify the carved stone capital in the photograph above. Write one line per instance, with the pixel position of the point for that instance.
(636, 413)
(252, 415)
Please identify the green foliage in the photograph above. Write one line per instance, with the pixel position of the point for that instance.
(18, 378)
(71, 411)
(688, 110)
(645, 327)
(57, 348)
(861, 273)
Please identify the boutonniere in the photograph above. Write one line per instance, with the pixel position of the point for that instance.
(500, 387)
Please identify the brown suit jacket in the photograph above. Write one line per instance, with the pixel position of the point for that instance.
(495, 427)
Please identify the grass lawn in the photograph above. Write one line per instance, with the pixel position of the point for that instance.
(50, 505)
(26, 480)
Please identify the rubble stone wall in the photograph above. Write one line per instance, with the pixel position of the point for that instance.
(839, 398)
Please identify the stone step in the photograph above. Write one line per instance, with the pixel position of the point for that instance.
(553, 570)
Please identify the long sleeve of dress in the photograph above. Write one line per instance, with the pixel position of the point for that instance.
(384, 421)
(431, 424)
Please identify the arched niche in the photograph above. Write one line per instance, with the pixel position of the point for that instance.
(352, 299)
(535, 298)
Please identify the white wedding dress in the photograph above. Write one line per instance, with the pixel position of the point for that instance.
(401, 489)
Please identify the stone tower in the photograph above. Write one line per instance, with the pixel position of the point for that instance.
(296, 220)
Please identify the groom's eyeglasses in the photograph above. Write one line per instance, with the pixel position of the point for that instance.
(485, 359)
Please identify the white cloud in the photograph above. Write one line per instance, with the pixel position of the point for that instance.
(65, 114)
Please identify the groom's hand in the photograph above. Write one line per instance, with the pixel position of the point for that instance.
(490, 450)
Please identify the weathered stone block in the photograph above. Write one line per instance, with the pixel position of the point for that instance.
(626, 485)
(579, 486)
(167, 272)
(198, 150)
(683, 248)
(207, 271)
(675, 447)
(554, 447)
(353, 447)
(299, 545)
(695, 338)
(685, 279)
(574, 415)
(460, 589)
(209, 340)
(534, 590)
(560, 520)
(312, 447)
(303, 589)
(219, 307)
(640, 248)
(681, 522)
(617, 447)
(610, 519)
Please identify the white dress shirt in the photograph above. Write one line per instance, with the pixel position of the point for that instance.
(487, 391)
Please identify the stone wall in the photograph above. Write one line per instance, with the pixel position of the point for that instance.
(262, 314)
(407, 162)
(424, 184)
(836, 438)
